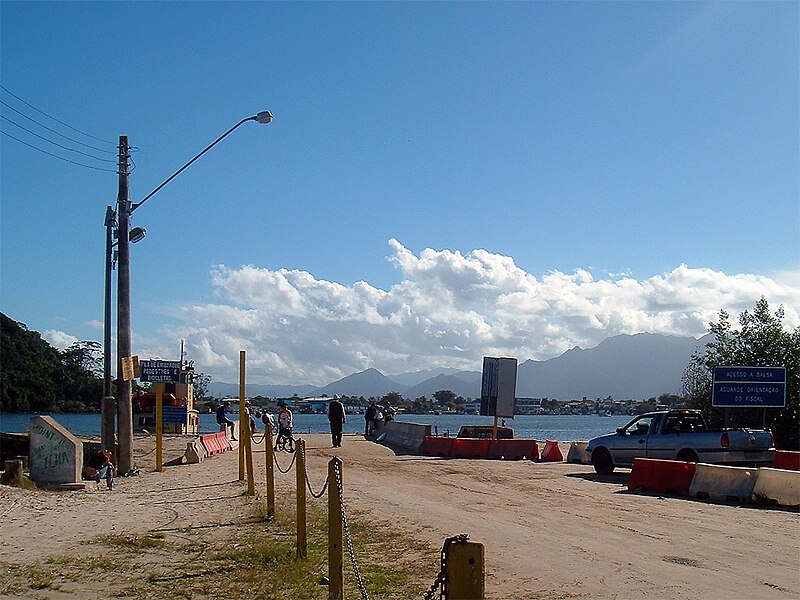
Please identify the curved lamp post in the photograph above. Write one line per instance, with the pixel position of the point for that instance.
(124, 210)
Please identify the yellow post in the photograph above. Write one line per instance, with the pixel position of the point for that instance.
(300, 472)
(242, 417)
(335, 575)
(159, 427)
(465, 572)
(270, 472)
(494, 429)
(251, 481)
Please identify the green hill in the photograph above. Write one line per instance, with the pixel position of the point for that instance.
(35, 377)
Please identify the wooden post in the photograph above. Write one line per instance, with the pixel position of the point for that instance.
(270, 460)
(335, 575)
(159, 426)
(494, 428)
(242, 416)
(248, 452)
(300, 471)
(465, 572)
(14, 472)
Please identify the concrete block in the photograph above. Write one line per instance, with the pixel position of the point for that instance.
(56, 456)
(779, 485)
(577, 453)
(723, 484)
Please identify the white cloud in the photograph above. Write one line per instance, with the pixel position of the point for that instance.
(449, 309)
(59, 339)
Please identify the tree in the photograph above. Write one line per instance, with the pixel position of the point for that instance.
(445, 397)
(761, 341)
(201, 382)
(392, 399)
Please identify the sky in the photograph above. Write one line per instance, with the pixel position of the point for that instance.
(441, 181)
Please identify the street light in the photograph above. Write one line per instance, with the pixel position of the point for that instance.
(124, 210)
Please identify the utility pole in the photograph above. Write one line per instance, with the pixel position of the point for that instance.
(124, 408)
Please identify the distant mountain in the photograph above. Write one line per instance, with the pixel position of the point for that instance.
(366, 383)
(220, 389)
(623, 366)
(411, 379)
(467, 388)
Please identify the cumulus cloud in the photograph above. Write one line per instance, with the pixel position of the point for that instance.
(59, 339)
(448, 310)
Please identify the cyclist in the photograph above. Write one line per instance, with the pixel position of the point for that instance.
(284, 426)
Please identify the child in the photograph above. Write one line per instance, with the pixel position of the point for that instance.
(106, 471)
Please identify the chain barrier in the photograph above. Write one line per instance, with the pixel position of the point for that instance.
(349, 540)
(277, 464)
(308, 483)
(440, 582)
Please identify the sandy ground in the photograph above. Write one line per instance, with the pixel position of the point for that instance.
(550, 530)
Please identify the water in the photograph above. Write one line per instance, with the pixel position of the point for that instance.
(564, 428)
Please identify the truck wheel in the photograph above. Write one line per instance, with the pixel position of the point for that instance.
(602, 462)
(688, 456)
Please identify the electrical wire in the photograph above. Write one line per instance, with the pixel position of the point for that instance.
(67, 148)
(42, 125)
(10, 93)
(5, 133)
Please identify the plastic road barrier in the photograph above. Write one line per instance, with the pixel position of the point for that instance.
(787, 459)
(722, 483)
(470, 448)
(661, 476)
(514, 449)
(777, 485)
(436, 446)
(551, 452)
(577, 453)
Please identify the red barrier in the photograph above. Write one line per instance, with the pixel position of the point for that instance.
(209, 443)
(787, 459)
(551, 452)
(436, 446)
(223, 441)
(470, 448)
(661, 476)
(514, 449)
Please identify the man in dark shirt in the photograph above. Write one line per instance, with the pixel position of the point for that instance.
(337, 418)
(222, 419)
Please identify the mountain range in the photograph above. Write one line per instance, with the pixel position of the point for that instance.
(624, 366)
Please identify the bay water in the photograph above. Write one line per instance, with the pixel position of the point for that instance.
(563, 428)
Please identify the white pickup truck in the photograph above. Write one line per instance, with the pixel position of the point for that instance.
(680, 435)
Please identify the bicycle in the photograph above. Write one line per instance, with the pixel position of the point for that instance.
(285, 442)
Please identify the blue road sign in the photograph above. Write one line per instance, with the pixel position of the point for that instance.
(160, 370)
(762, 387)
(172, 414)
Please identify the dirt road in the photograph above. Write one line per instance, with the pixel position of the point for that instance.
(551, 530)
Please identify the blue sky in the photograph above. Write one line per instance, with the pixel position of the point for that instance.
(441, 180)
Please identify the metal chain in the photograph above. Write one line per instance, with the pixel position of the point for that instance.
(440, 582)
(308, 483)
(350, 551)
(275, 458)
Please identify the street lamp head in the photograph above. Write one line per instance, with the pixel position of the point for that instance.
(137, 234)
(264, 117)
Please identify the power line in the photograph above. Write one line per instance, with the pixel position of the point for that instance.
(54, 131)
(56, 143)
(6, 90)
(5, 133)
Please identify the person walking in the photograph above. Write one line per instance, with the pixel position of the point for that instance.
(336, 417)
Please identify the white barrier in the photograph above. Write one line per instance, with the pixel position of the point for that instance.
(195, 452)
(407, 436)
(721, 483)
(780, 485)
(577, 453)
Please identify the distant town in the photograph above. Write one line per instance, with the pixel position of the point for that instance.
(446, 402)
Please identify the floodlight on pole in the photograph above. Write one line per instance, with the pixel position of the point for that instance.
(124, 210)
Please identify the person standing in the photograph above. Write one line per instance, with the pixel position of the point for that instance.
(336, 417)
(284, 423)
(369, 419)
